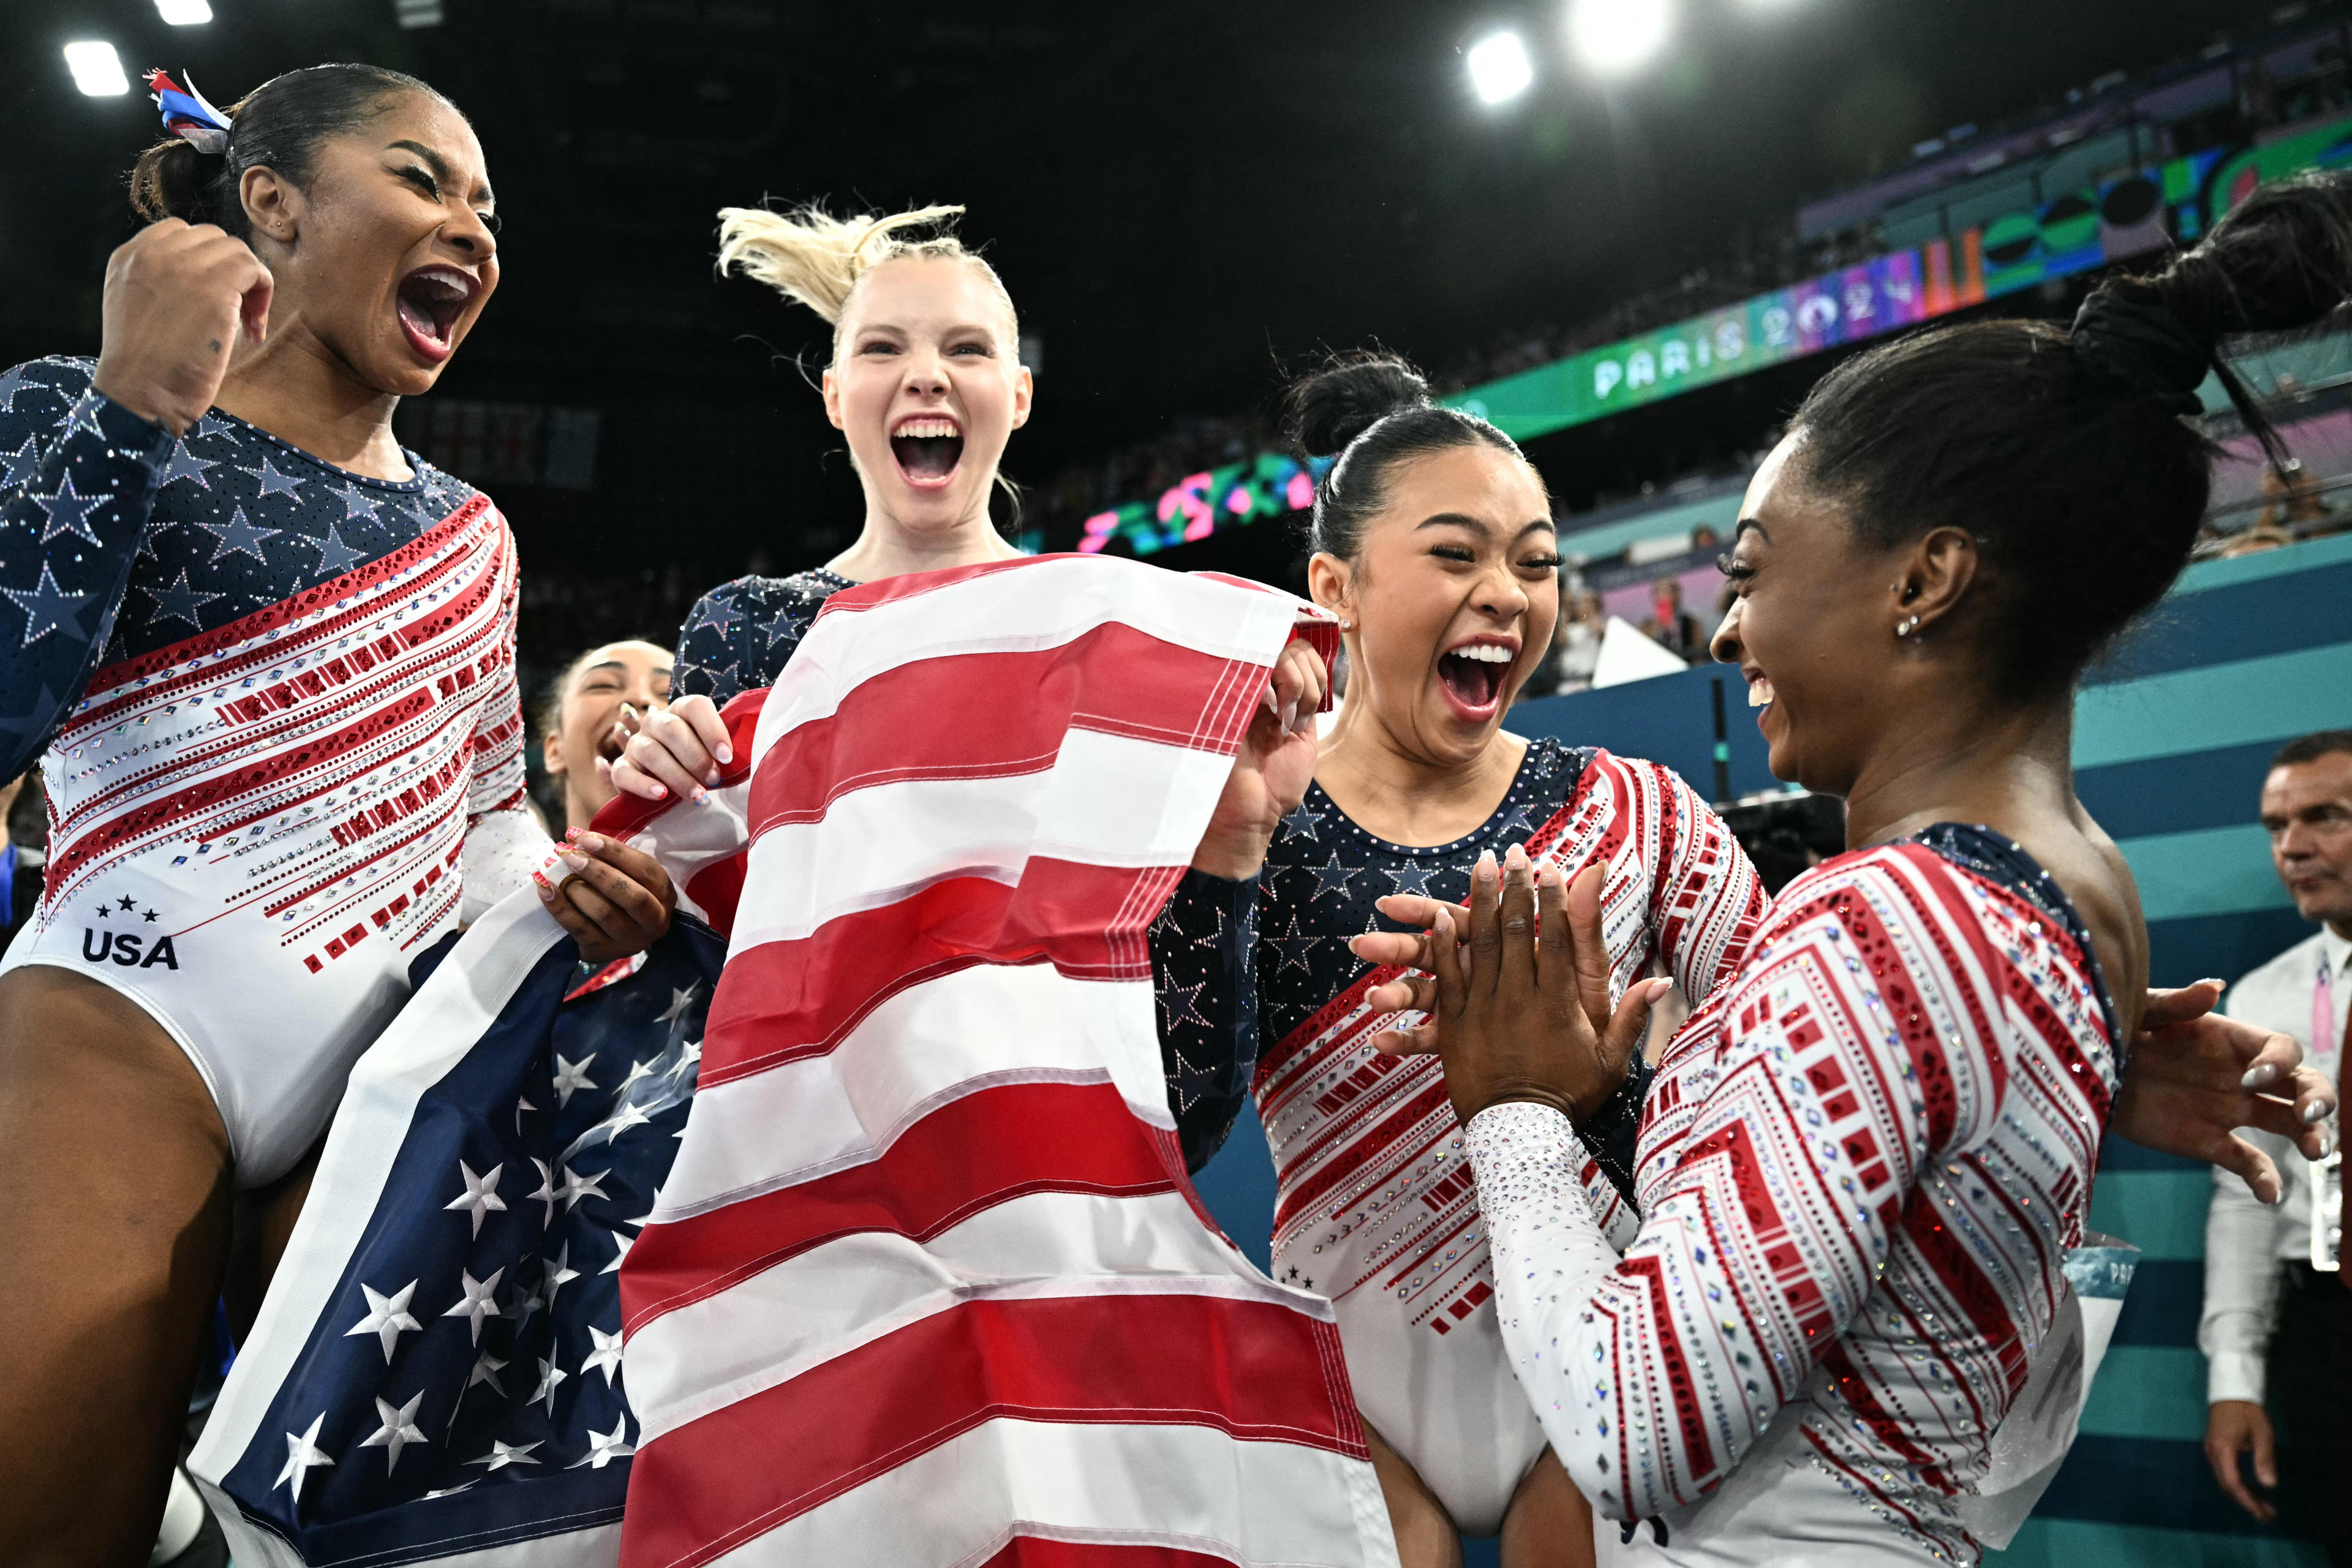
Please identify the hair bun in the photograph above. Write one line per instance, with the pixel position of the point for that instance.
(2278, 261)
(1330, 407)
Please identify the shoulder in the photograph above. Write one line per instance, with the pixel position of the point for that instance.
(2274, 987)
(439, 483)
(743, 632)
(40, 393)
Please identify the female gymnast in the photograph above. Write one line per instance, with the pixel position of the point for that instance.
(604, 690)
(1861, 1161)
(927, 384)
(1433, 543)
(271, 657)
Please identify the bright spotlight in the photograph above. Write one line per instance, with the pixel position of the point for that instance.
(184, 13)
(1499, 67)
(1617, 35)
(96, 70)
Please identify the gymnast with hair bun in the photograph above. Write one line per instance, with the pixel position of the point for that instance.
(270, 656)
(1858, 1168)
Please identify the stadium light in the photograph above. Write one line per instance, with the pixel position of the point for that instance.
(1613, 35)
(184, 13)
(1499, 67)
(96, 70)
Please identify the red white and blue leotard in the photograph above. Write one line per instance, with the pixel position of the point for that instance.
(1376, 1207)
(1859, 1169)
(284, 736)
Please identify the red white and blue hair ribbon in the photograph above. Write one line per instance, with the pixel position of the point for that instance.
(187, 116)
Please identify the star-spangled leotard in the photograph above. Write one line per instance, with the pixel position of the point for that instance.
(1860, 1166)
(1376, 1208)
(284, 737)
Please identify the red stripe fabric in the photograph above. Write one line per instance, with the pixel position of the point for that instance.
(984, 1149)
(781, 1001)
(1251, 1369)
(1034, 1551)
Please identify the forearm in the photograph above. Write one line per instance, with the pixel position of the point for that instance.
(2241, 1291)
(1203, 971)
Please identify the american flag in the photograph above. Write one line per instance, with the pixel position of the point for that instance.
(926, 1283)
(436, 1374)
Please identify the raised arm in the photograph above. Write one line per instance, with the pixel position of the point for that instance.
(85, 455)
(1204, 973)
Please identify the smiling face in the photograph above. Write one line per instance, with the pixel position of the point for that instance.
(388, 253)
(1453, 594)
(636, 673)
(1811, 596)
(2308, 811)
(927, 383)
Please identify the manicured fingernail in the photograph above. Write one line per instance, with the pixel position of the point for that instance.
(587, 841)
(701, 794)
(660, 793)
(546, 888)
(2216, 983)
(572, 862)
(2314, 1112)
(1444, 923)
(1290, 715)
(1516, 857)
(725, 754)
(1659, 988)
(2258, 1076)
(571, 834)
(1485, 870)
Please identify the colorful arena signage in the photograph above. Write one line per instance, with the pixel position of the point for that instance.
(2128, 214)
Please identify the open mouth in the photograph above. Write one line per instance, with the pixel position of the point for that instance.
(928, 448)
(430, 302)
(1473, 676)
(1760, 691)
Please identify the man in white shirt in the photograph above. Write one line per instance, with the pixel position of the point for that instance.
(2271, 1320)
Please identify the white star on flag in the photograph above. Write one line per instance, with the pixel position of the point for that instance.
(688, 1057)
(399, 1429)
(619, 1122)
(606, 1357)
(636, 1071)
(547, 1194)
(572, 1077)
(388, 1317)
(478, 1302)
(605, 1446)
(621, 1245)
(502, 1454)
(522, 1103)
(481, 1196)
(549, 1374)
(486, 1368)
(559, 1274)
(576, 1186)
(302, 1455)
(678, 1002)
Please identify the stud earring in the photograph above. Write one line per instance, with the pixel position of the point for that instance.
(1347, 625)
(1906, 626)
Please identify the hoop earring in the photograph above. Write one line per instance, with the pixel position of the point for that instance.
(1903, 628)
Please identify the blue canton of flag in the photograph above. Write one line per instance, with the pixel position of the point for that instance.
(437, 1371)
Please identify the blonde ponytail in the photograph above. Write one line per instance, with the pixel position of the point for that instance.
(808, 255)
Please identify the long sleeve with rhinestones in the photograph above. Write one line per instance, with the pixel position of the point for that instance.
(81, 477)
(1858, 1171)
(1204, 971)
(739, 635)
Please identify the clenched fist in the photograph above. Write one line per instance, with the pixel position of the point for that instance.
(176, 298)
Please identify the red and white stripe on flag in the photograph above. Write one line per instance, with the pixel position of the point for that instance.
(927, 1284)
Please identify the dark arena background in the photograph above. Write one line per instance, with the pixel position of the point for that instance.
(1633, 248)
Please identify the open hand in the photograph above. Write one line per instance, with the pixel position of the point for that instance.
(1271, 771)
(1522, 1011)
(614, 900)
(2194, 1077)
